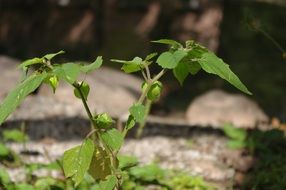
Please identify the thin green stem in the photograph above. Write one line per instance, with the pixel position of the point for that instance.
(144, 75)
(76, 86)
(144, 94)
(94, 132)
(142, 125)
(148, 72)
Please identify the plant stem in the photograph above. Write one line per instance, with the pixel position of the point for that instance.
(141, 125)
(93, 124)
(94, 131)
(84, 102)
(144, 94)
(148, 72)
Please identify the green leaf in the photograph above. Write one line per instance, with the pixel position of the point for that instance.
(147, 173)
(236, 144)
(100, 166)
(68, 72)
(107, 184)
(30, 62)
(16, 96)
(4, 150)
(38, 60)
(168, 42)
(52, 55)
(14, 135)
(171, 60)
(113, 138)
(136, 64)
(130, 123)
(214, 65)
(103, 120)
(150, 56)
(167, 60)
(45, 183)
(84, 89)
(76, 161)
(4, 177)
(138, 112)
(194, 67)
(71, 71)
(93, 66)
(24, 186)
(181, 72)
(234, 133)
(127, 161)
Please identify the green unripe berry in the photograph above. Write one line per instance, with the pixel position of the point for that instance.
(155, 91)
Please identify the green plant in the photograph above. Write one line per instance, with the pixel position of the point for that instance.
(237, 136)
(7, 156)
(98, 153)
(269, 150)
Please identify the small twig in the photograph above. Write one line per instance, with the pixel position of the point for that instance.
(141, 125)
(144, 75)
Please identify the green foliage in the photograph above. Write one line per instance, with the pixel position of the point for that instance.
(147, 173)
(108, 184)
(130, 123)
(77, 160)
(214, 65)
(97, 157)
(237, 137)
(93, 66)
(169, 60)
(134, 65)
(187, 182)
(14, 135)
(101, 165)
(172, 43)
(16, 96)
(4, 150)
(127, 161)
(112, 138)
(181, 71)
(142, 176)
(269, 170)
(4, 177)
(191, 59)
(68, 72)
(138, 112)
(42, 61)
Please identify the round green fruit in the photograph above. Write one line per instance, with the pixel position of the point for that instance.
(155, 91)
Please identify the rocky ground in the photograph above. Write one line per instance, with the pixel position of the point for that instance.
(203, 154)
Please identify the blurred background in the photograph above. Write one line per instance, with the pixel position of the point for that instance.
(237, 30)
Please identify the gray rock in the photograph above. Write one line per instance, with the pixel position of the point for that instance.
(9, 74)
(215, 108)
